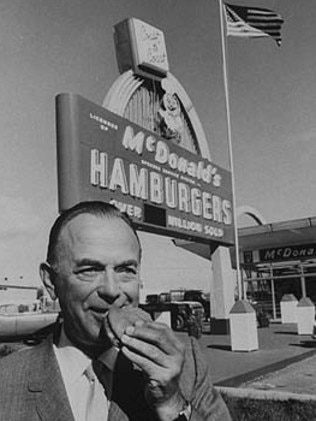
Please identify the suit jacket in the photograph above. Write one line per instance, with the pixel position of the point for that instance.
(32, 389)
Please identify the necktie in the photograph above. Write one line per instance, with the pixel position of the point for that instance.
(97, 403)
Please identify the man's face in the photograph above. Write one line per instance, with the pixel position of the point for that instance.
(97, 267)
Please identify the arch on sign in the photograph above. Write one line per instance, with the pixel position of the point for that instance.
(139, 100)
(253, 213)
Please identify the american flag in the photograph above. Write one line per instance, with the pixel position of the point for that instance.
(244, 21)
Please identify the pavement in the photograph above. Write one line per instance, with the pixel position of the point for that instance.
(297, 378)
(280, 346)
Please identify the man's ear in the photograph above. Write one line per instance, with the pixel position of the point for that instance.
(47, 275)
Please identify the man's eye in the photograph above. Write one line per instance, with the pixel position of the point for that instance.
(89, 271)
(128, 270)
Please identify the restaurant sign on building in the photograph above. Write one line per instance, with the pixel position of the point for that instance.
(277, 254)
(164, 188)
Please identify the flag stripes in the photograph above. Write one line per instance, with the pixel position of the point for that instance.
(244, 21)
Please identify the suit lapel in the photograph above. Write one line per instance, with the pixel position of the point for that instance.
(47, 390)
(46, 386)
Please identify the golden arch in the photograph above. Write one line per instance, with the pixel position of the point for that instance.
(253, 213)
(129, 86)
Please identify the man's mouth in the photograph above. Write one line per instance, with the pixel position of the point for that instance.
(100, 313)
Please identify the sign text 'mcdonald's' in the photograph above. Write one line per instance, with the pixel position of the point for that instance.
(163, 187)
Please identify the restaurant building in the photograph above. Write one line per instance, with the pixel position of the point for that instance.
(278, 259)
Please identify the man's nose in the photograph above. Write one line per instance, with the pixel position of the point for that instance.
(109, 288)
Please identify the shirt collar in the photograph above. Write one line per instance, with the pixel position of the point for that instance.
(74, 362)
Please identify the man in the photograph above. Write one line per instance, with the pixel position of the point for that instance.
(92, 267)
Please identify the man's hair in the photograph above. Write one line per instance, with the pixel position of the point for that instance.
(96, 208)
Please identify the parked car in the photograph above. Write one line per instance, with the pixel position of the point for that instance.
(181, 312)
(201, 297)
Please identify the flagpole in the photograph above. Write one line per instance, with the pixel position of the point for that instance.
(230, 148)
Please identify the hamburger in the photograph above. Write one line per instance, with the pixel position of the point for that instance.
(118, 319)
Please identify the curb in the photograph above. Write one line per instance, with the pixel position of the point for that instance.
(233, 392)
(251, 375)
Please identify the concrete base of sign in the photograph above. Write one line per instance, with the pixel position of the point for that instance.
(220, 326)
(243, 327)
(288, 306)
(222, 284)
(305, 316)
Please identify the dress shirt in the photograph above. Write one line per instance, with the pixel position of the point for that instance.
(73, 364)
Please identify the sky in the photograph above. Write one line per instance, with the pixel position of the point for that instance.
(48, 47)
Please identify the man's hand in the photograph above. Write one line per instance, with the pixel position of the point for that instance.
(156, 350)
